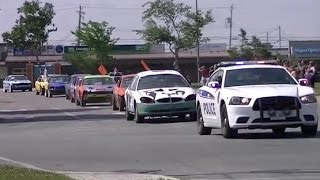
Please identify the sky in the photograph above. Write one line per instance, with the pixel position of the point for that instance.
(299, 19)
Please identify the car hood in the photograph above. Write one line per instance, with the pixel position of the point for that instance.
(107, 87)
(257, 91)
(20, 81)
(57, 84)
(159, 93)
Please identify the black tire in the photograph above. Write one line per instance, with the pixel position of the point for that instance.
(50, 95)
(129, 116)
(83, 102)
(114, 103)
(30, 90)
(227, 132)
(23, 90)
(309, 130)
(11, 89)
(5, 90)
(42, 91)
(202, 130)
(138, 118)
(193, 116)
(279, 131)
(122, 104)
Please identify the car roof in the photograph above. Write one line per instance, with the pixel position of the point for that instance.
(77, 75)
(128, 76)
(251, 66)
(95, 76)
(54, 75)
(158, 72)
(16, 75)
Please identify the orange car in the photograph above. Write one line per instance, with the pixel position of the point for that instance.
(118, 92)
(94, 89)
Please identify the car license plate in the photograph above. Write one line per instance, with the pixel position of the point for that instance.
(279, 115)
(96, 95)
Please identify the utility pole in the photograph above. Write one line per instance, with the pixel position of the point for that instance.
(230, 26)
(279, 37)
(81, 13)
(198, 43)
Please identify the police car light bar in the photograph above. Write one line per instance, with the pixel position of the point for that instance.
(230, 63)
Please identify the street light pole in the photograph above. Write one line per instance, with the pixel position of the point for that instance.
(198, 43)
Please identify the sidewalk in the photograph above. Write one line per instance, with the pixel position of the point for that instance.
(114, 176)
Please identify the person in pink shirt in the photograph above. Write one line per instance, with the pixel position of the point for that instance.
(204, 72)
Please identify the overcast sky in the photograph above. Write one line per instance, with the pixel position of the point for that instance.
(299, 19)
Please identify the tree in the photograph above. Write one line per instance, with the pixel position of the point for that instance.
(82, 62)
(174, 24)
(97, 36)
(31, 28)
(250, 49)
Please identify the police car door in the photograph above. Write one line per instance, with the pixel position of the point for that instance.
(129, 94)
(209, 99)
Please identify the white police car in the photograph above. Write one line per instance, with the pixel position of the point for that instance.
(255, 95)
(16, 82)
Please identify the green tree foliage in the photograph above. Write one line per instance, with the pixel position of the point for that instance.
(175, 24)
(250, 48)
(97, 36)
(83, 62)
(31, 28)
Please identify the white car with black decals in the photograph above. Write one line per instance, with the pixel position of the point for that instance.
(16, 82)
(159, 93)
(255, 95)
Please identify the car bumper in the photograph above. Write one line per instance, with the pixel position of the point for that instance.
(21, 86)
(100, 97)
(165, 109)
(57, 91)
(245, 118)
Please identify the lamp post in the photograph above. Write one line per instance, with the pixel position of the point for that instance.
(198, 48)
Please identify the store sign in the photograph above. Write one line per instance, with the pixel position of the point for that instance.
(308, 49)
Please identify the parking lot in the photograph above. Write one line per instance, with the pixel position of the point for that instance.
(54, 134)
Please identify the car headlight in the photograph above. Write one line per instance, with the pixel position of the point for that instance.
(308, 99)
(239, 100)
(147, 100)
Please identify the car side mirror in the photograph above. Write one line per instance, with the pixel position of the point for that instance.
(303, 82)
(214, 84)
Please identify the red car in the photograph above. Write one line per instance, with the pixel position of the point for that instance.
(118, 102)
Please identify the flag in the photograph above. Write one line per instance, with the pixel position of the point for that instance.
(145, 66)
(102, 70)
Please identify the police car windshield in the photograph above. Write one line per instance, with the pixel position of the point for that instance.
(257, 76)
(59, 79)
(162, 81)
(98, 81)
(18, 78)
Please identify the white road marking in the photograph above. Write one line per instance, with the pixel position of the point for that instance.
(66, 113)
(118, 113)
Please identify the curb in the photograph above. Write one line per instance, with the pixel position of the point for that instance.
(55, 118)
(114, 176)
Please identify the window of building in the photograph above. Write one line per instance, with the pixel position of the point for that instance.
(19, 71)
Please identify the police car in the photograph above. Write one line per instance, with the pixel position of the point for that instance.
(255, 95)
(16, 82)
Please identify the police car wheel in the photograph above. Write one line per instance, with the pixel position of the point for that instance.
(227, 132)
(309, 130)
(11, 89)
(129, 116)
(200, 124)
(279, 131)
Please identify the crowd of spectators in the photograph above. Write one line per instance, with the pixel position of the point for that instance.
(304, 70)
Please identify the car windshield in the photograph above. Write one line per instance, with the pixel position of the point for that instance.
(257, 76)
(162, 81)
(18, 78)
(126, 81)
(98, 81)
(59, 79)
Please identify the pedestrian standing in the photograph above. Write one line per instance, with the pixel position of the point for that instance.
(302, 68)
(204, 75)
(310, 74)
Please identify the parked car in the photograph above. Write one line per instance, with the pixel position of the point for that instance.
(94, 89)
(71, 84)
(119, 90)
(16, 82)
(159, 93)
(56, 85)
(40, 85)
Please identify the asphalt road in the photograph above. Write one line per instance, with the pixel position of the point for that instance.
(54, 134)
